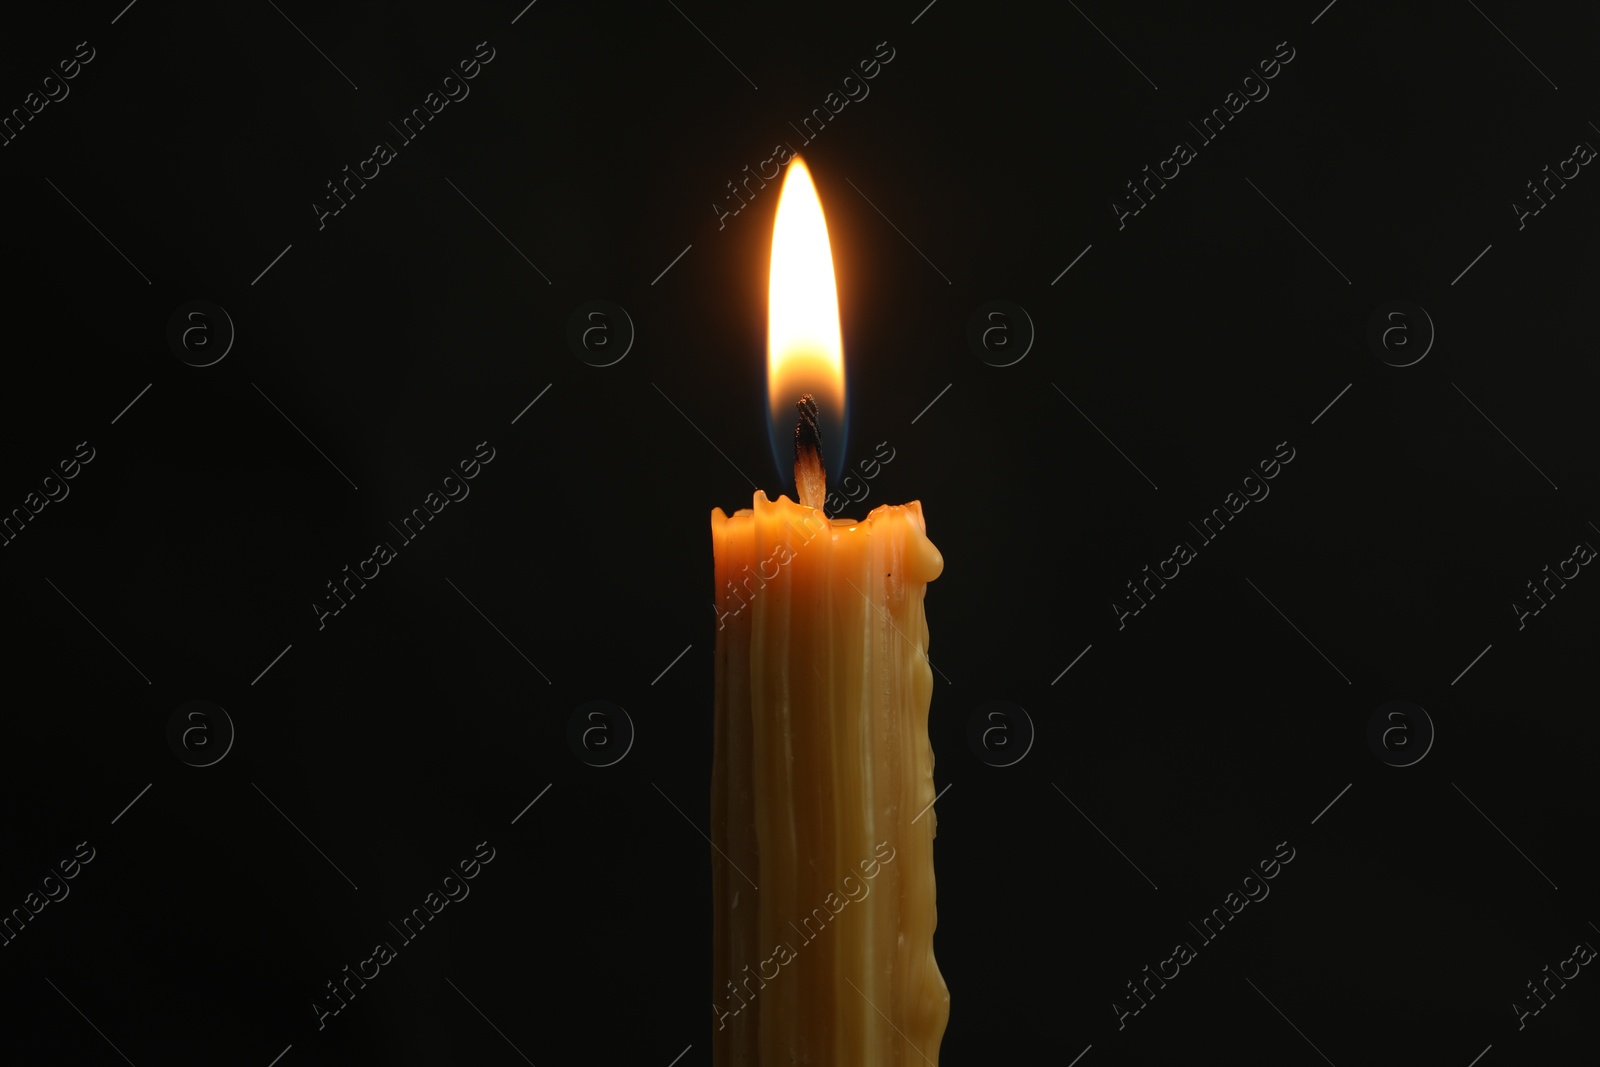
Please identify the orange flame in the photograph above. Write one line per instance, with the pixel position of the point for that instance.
(805, 353)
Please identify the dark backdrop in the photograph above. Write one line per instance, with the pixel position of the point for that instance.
(1175, 749)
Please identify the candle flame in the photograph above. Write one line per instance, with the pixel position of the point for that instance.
(805, 353)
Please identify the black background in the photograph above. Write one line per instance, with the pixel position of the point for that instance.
(1213, 726)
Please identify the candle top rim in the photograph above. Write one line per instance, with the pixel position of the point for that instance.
(760, 502)
(784, 521)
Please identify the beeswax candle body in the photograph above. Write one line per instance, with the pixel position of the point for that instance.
(822, 783)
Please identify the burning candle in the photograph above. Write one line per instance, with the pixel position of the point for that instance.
(822, 780)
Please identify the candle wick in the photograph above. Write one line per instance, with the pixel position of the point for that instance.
(810, 478)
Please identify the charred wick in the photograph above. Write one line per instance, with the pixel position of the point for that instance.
(810, 479)
(806, 433)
